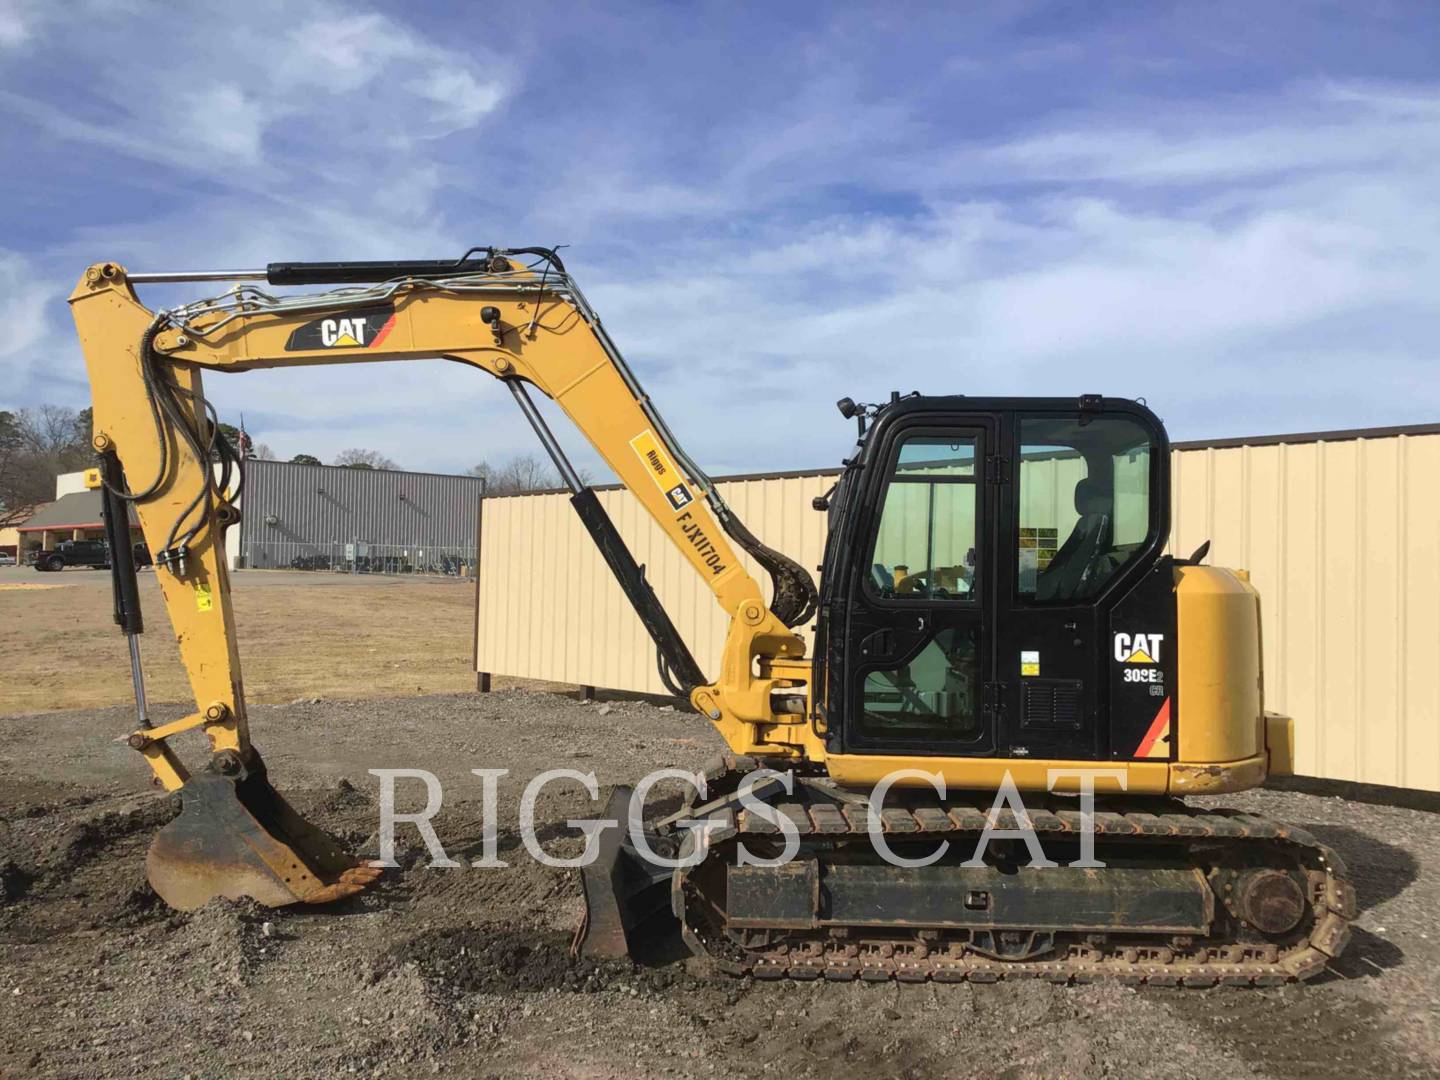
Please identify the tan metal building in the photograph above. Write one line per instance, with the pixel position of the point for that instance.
(1339, 530)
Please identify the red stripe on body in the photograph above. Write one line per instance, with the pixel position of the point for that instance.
(384, 331)
(1157, 728)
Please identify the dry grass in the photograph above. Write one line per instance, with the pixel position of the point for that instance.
(60, 649)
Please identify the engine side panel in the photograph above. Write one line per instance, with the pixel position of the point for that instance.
(1219, 665)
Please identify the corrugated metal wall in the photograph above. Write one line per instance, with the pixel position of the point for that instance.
(550, 609)
(322, 505)
(1341, 536)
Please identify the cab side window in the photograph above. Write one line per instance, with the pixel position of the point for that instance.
(925, 547)
(1084, 504)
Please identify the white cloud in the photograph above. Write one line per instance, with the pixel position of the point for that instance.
(1334, 126)
(1294, 294)
(25, 326)
(220, 119)
(335, 86)
(456, 98)
(308, 127)
(18, 19)
(24, 300)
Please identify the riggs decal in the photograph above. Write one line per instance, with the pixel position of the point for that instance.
(363, 328)
(696, 535)
(662, 470)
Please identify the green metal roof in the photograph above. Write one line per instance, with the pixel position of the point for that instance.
(79, 509)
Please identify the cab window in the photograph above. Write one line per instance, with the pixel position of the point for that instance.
(925, 546)
(1084, 504)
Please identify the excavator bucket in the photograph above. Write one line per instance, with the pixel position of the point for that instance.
(235, 836)
(627, 897)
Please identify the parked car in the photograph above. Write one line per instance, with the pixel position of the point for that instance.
(92, 553)
(6, 559)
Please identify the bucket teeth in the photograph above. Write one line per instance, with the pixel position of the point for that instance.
(330, 893)
(362, 875)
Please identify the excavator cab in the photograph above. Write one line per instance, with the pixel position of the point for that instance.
(997, 609)
(982, 554)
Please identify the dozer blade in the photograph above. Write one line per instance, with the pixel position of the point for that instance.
(235, 837)
(627, 897)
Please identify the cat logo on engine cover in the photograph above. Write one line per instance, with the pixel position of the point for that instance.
(1138, 648)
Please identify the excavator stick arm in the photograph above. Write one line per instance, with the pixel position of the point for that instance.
(522, 325)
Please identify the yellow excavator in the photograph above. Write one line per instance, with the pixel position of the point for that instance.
(998, 620)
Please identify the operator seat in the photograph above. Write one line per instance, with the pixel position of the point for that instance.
(1066, 576)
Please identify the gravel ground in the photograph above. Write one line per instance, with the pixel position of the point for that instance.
(466, 971)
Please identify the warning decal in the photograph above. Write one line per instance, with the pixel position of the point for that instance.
(1029, 662)
(1156, 743)
(662, 470)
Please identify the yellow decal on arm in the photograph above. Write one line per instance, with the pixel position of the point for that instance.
(203, 600)
(662, 469)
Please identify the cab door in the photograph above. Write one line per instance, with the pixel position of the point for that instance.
(916, 652)
(1080, 518)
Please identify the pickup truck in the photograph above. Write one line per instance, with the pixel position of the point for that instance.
(91, 553)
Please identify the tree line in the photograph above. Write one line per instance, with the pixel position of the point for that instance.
(520, 474)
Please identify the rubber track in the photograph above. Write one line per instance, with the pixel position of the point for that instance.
(1332, 900)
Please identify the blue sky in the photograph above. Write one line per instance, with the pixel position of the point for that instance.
(1227, 209)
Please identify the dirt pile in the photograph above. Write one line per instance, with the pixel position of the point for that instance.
(229, 939)
(397, 1020)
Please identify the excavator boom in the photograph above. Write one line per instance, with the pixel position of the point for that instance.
(525, 323)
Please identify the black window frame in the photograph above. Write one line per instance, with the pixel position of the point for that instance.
(977, 436)
(1157, 532)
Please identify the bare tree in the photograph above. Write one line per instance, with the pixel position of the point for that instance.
(36, 445)
(15, 495)
(519, 474)
(364, 459)
(262, 452)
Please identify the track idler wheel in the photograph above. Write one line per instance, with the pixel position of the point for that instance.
(236, 837)
(1272, 901)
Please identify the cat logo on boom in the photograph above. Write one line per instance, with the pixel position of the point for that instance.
(362, 328)
(342, 332)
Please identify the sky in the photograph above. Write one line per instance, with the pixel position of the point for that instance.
(1228, 209)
